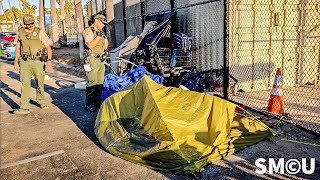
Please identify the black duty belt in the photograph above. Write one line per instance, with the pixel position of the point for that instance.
(95, 55)
(32, 57)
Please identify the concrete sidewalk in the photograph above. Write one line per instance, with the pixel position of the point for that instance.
(59, 142)
(60, 139)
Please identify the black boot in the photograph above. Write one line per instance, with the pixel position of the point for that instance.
(98, 92)
(90, 98)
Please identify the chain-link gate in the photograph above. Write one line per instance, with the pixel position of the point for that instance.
(285, 34)
(262, 37)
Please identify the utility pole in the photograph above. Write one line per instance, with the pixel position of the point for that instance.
(41, 14)
(54, 24)
(79, 15)
(111, 23)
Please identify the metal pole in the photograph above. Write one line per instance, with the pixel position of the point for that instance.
(299, 61)
(225, 46)
(124, 18)
(173, 22)
(142, 11)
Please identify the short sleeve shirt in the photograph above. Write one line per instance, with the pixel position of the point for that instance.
(46, 41)
(88, 35)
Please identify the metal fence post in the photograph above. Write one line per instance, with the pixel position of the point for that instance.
(225, 58)
(124, 18)
(142, 10)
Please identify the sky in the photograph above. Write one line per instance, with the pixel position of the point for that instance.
(31, 2)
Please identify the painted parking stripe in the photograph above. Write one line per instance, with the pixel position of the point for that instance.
(6, 165)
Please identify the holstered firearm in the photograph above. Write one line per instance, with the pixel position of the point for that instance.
(104, 56)
(43, 56)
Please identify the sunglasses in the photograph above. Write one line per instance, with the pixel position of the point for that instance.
(30, 24)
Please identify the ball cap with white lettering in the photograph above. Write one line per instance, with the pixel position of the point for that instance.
(102, 18)
(28, 19)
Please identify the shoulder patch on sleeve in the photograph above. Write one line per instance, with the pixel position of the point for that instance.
(88, 31)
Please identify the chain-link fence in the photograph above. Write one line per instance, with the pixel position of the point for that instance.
(267, 35)
(262, 37)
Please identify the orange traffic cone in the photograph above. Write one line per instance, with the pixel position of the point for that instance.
(276, 101)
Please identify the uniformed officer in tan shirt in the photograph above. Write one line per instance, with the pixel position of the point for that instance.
(29, 59)
(97, 43)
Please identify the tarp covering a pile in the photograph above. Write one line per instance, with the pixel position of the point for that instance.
(171, 129)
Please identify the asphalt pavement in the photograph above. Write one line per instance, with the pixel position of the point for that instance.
(59, 142)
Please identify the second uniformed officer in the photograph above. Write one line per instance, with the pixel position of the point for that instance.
(31, 44)
(97, 43)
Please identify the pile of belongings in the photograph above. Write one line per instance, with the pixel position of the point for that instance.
(182, 47)
(113, 83)
(171, 129)
(206, 81)
(193, 81)
(182, 41)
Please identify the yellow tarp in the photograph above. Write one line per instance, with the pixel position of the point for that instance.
(171, 129)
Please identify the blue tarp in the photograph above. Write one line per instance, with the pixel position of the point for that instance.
(193, 81)
(113, 83)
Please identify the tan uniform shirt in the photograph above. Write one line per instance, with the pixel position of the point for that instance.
(89, 36)
(46, 41)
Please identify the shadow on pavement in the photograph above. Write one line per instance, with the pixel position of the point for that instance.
(68, 99)
(8, 100)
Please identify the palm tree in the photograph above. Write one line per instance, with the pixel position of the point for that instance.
(79, 13)
(54, 23)
(41, 14)
(27, 8)
(62, 18)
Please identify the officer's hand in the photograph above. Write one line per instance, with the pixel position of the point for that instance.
(48, 66)
(101, 34)
(16, 66)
